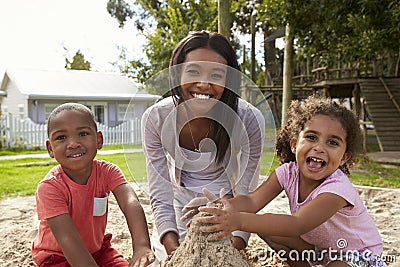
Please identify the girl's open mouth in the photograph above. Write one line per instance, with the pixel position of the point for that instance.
(315, 163)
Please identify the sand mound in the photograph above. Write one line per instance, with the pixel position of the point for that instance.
(197, 251)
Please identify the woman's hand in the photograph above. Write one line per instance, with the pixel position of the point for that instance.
(191, 209)
(164, 262)
(170, 242)
(142, 257)
(224, 221)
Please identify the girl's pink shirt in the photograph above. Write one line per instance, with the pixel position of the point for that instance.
(57, 194)
(351, 228)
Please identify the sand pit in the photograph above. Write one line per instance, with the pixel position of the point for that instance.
(18, 227)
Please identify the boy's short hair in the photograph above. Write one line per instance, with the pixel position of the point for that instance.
(71, 106)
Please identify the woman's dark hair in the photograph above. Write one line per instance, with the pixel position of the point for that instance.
(221, 45)
(301, 112)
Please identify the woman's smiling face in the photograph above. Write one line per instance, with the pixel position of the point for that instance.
(203, 76)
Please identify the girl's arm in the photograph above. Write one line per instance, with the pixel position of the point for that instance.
(135, 217)
(70, 241)
(258, 199)
(307, 218)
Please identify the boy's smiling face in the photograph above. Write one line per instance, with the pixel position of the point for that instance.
(73, 142)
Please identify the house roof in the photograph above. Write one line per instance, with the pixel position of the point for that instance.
(74, 84)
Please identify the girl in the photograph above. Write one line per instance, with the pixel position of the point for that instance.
(204, 135)
(328, 223)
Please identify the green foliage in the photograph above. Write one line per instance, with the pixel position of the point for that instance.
(330, 32)
(78, 62)
(352, 29)
(120, 10)
(164, 24)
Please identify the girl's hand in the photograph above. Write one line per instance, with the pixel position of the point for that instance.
(224, 221)
(142, 257)
(191, 209)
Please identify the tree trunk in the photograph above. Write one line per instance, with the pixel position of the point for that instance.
(225, 18)
(269, 57)
(253, 47)
(287, 74)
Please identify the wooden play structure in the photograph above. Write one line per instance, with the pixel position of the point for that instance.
(374, 96)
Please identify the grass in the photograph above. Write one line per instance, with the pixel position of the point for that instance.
(44, 151)
(20, 177)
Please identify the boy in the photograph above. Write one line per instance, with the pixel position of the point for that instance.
(72, 199)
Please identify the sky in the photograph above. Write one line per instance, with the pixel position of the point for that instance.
(35, 32)
(40, 34)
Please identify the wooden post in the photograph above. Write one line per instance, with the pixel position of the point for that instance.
(287, 74)
(357, 102)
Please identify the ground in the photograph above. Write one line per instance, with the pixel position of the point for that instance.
(18, 227)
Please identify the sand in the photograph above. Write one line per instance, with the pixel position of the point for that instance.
(196, 250)
(18, 227)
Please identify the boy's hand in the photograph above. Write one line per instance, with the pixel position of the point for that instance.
(142, 257)
(191, 209)
(224, 221)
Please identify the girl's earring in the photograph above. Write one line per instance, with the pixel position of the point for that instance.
(293, 150)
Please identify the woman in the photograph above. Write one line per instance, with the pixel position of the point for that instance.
(202, 136)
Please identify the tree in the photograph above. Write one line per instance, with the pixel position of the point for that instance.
(78, 62)
(345, 30)
(225, 18)
(164, 23)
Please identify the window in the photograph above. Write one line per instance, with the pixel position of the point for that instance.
(48, 108)
(21, 111)
(99, 110)
(99, 113)
(122, 108)
(4, 110)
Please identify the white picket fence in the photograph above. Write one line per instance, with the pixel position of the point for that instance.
(17, 133)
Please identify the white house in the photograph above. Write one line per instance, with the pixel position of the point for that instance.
(35, 93)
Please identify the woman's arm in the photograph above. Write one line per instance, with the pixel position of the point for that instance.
(70, 241)
(251, 144)
(136, 220)
(170, 241)
(161, 192)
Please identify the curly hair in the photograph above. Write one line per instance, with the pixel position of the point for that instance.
(301, 112)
